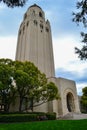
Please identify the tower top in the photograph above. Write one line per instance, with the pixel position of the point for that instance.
(35, 5)
(35, 12)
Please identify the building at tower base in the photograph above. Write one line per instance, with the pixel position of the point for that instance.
(69, 99)
(35, 45)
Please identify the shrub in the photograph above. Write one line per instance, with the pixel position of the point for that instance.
(26, 117)
(18, 118)
(51, 116)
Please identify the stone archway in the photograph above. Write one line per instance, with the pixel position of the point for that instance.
(70, 102)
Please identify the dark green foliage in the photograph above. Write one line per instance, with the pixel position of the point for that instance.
(18, 118)
(84, 99)
(7, 90)
(82, 52)
(33, 86)
(14, 3)
(51, 116)
(81, 17)
(52, 91)
(26, 117)
(23, 81)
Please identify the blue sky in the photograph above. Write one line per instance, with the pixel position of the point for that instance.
(65, 36)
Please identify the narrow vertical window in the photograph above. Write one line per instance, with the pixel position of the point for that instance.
(47, 30)
(35, 22)
(27, 23)
(40, 14)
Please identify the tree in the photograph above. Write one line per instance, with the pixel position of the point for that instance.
(84, 98)
(81, 17)
(22, 84)
(26, 78)
(45, 93)
(40, 91)
(32, 86)
(14, 3)
(7, 90)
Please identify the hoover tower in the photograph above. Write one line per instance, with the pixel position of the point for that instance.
(35, 41)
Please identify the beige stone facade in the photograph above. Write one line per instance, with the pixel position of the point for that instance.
(35, 41)
(68, 94)
(35, 45)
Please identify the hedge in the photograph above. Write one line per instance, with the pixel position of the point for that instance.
(26, 117)
(17, 118)
(51, 116)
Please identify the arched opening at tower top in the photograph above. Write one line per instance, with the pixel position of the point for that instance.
(40, 14)
(70, 102)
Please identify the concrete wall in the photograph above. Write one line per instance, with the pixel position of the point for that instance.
(67, 86)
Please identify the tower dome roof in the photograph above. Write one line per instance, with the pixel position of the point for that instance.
(35, 5)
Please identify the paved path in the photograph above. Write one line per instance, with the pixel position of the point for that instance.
(79, 116)
(73, 116)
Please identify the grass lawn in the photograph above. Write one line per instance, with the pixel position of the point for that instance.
(47, 125)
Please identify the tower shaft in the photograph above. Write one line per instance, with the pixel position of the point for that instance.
(35, 41)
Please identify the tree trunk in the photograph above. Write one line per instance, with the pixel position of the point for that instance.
(31, 106)
(86, 109)
(20, 104)
(8, 106)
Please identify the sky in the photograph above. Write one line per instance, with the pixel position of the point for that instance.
(65, 37)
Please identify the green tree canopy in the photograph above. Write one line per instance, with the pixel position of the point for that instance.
(7, 90)
(81, 17)
(14, 3)
(24, 81)
(32, 85)
(84, 97)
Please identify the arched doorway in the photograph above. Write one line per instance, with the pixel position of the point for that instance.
(70, 102)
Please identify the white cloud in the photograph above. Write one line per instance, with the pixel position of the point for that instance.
(64, 53)
(8, 47)
(64, 50)
(80, 87)
(79, 67)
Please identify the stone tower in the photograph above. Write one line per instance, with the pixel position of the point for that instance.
(35, 41)
(35, 45)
